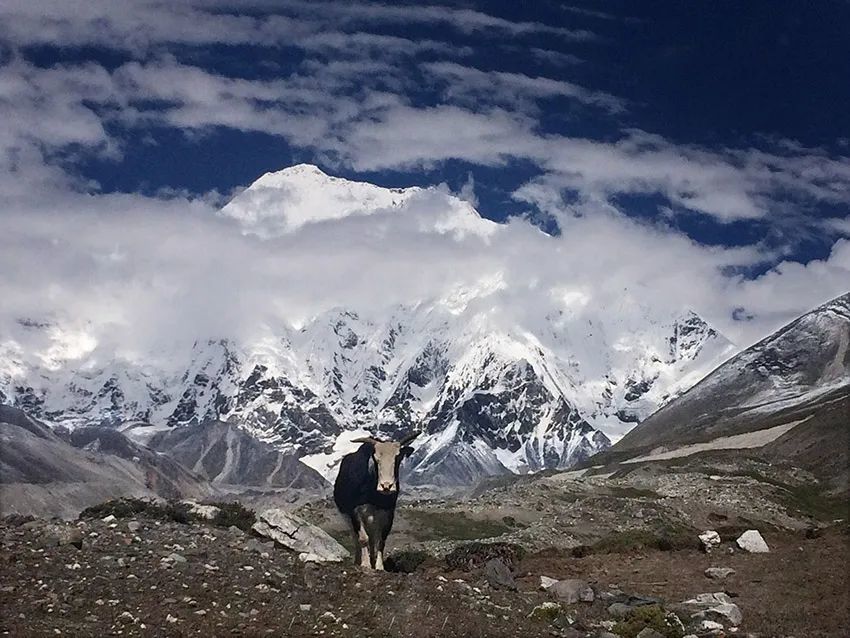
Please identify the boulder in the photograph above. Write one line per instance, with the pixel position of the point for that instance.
(707, 600)
(752, 541)
(207, 512)
(719, 573)
(709, 540)
(729, 613)
(498, 575)
(546, 582)
(295, 533)
(54, 535)
(649, 632)
(572, 591)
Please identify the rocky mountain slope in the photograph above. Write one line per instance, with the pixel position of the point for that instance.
(225, 455)
(794, 384)
(44, 473)
(494, 392)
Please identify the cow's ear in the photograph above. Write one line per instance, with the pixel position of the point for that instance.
(406, 451)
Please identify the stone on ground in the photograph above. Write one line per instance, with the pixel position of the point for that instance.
(752, 541)
(498, 575)
(709, 540)
(719, 573)
(572, 591)
(295, 533)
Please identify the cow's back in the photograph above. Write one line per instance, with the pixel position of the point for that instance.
(354, 482)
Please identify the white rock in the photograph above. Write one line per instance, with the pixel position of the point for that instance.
(709, 539)
(108, 519)
(752, 541)
(729, 612)
(709, 625)
(546, 582)
(298, 535)
(716, 598)
(207, 512)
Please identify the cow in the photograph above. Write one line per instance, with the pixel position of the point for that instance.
(366, 492)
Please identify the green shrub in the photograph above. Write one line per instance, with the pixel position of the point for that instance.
(430, 525)
(652, 616)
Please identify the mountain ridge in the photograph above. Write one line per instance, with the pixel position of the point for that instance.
(493, 391)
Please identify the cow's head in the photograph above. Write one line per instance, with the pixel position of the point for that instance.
(387, 456)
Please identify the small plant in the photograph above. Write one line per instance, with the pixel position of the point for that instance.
(133, 507)
(406, 561)
(652, 617)
(234, 514)
(471, 555)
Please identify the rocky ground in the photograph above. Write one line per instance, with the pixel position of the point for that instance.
(621, 551)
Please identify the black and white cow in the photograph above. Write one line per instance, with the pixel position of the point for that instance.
(366, 491)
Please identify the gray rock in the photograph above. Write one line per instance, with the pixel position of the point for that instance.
(649, 632)
(719, 573)
(710, 599)
(298, 535)
(728, 613)
(499, 575)
(572, 591)
(709, 539)
(54, 535)
(546, 582)
(134, 526)
(206, 512)
(619, 610)
(752, 541)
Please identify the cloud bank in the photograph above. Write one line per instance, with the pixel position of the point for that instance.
(346, 86)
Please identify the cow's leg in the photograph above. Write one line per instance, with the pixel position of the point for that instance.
(354, 527)
(372, 520)
(378, 535)
(363, 545)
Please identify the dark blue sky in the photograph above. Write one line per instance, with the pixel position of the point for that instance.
(716, 81)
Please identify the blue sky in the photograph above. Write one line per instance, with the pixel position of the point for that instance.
(723, 124)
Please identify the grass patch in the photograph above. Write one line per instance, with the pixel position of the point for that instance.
(666, 539)
(652, 617)
(807, 499)
(452, 526)
(470, 555)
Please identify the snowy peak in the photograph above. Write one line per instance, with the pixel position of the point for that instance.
(284, 201)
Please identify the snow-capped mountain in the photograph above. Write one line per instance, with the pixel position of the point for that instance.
(785, 378)
(492, 391)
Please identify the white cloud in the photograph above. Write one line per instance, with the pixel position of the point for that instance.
(125, 270)
(473, 86)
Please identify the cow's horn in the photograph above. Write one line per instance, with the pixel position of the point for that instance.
(409, 438)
